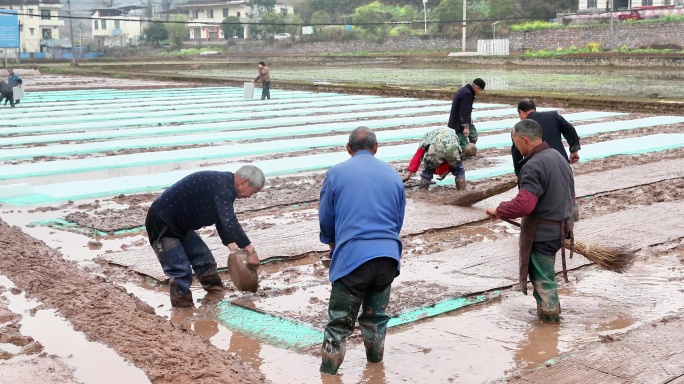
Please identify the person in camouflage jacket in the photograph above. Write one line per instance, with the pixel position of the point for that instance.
(441, 152)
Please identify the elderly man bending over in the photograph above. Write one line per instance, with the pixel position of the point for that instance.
(198, 200)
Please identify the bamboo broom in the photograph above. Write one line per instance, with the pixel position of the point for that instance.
(613, 259)
(468, 198)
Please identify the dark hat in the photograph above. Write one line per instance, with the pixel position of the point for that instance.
(480, 83)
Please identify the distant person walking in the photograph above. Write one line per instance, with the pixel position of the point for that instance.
(460, 119)
(361, 214)
(265, 77)
(6, 93)
(13, 80)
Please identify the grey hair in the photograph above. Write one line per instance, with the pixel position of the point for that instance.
(529, 128)
(253, 174)
(362, 138)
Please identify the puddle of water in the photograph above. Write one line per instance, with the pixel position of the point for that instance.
(616, 324)
(73, 246)
(11, 348)
(92, 362)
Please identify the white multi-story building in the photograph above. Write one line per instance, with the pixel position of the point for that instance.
(205, 16)
(120, 27)
(588, 5)
(38, 22)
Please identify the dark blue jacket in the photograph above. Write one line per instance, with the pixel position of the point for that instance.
(462, 108)
(13, 80)
(199, 200)
(553, 126)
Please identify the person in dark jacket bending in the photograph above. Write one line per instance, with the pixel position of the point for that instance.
(198, 200)
(544, 201)
(553, 127)
(460, 120)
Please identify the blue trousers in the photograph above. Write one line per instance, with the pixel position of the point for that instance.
(179, 258)
(459, 172)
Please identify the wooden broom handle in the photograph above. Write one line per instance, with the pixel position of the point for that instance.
(509, 221)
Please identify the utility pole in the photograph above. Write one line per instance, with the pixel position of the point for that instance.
(463, 38)
(425, 14)
(19, 47)
(612, 3)
(71, 35)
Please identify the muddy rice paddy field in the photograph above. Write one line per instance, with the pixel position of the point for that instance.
(83, 299)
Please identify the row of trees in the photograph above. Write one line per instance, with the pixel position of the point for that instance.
(339, 11)
(391, 17)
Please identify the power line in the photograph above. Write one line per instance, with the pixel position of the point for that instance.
(417, 22)
(389, 23)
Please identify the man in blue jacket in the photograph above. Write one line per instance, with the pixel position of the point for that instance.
(460, 120)
(198, 200)
(361, 214)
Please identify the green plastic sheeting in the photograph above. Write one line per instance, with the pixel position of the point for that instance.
(218, 114)
(26, 194)
(276, 146)
(179, 105)
(290, 334)
(267, 328)
(59, 105)
(66, 225)
(242, 130)
(228, 122)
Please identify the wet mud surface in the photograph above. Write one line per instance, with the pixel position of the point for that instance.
(130, 312)
(108, 313)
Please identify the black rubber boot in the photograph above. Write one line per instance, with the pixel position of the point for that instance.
(373, 324)
(424, 185)
(342, 312)
(178, 297)
(211, 283)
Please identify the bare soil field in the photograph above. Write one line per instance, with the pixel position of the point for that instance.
(61, 276)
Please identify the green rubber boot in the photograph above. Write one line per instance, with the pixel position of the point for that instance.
(373, 324)
(543, 277)
(342, 312)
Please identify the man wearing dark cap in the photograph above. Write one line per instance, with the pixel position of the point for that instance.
(554, 128)
(461, 121)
